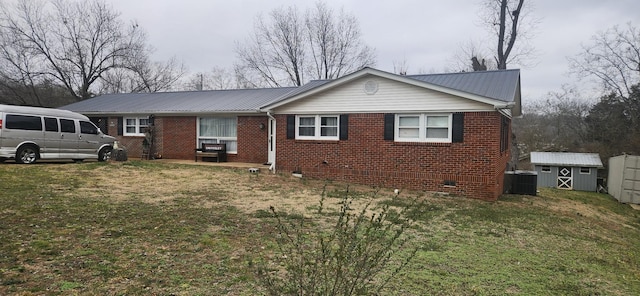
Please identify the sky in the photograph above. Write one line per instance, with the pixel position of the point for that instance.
(423, 34)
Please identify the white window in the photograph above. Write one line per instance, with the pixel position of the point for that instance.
(585, 171)
(317, 127)
(136, 126)
(546, 169)
(423, 128)
(219, 130)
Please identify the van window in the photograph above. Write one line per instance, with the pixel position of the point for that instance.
(50, 124)
(88, 128)
(67, 126)
(23, 122)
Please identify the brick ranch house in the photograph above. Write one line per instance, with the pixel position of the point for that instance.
(436, 132)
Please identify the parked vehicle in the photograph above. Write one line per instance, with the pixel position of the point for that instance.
(28, 134)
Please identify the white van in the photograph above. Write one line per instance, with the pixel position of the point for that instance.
(31, 133)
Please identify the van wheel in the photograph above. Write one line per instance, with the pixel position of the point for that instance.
(27, 154)
(104, 154)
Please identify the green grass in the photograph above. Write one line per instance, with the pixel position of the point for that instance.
(61, 234)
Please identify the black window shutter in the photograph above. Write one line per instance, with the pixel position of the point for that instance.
(457, 132)
(344, 126)
(389, 126)
(291, 126)
(120, 126)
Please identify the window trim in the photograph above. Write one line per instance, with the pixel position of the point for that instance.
(545, 169)
(137, 126)
(585, 173)
(422, 128)
(206, 139)
(317, 127)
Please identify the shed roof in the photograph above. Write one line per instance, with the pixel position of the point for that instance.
(213, 101)
(566, 159)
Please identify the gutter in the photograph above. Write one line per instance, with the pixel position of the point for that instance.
(502, 108)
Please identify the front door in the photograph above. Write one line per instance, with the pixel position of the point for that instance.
(565, 178)
(272, 141)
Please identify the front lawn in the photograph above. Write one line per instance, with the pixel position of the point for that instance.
(166, 229)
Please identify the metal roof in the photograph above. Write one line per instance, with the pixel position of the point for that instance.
(499, 84)
(566, 159)
(214, 101)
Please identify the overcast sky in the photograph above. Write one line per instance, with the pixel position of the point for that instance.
(424, 33)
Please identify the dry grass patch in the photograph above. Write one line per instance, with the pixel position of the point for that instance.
(170, 229)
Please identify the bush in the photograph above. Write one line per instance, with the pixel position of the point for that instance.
(356, 256)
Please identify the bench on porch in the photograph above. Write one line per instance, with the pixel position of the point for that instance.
(211, 150)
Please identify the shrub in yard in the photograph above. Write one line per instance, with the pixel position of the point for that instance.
(358, 255)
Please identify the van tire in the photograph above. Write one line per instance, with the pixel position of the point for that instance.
(27, 154)
(104, 154)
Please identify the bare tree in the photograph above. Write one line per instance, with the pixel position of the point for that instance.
(462, 59)
(156, 76)
(275, 54)
(286, 47)
(556, 123)
(614, 124)
(216, 78)
(505, 19)
(73, 43)
(17, 79)
(613, 59)
(335, 45)
(401, 67)
(142, 75)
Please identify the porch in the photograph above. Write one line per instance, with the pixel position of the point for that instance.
(242, 165)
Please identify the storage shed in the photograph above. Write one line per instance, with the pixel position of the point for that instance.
(566, 170)
(624, 178)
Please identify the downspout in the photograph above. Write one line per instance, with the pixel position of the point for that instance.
(272, 167)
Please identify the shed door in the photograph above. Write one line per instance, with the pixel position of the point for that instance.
(565, 178)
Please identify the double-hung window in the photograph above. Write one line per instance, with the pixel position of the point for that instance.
(136, 126)
(423, 128)
(219, 130)
(317, 127)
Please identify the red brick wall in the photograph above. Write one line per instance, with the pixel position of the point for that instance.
(132, 144)
(476, 165)
(252, 140)
(175, 138)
